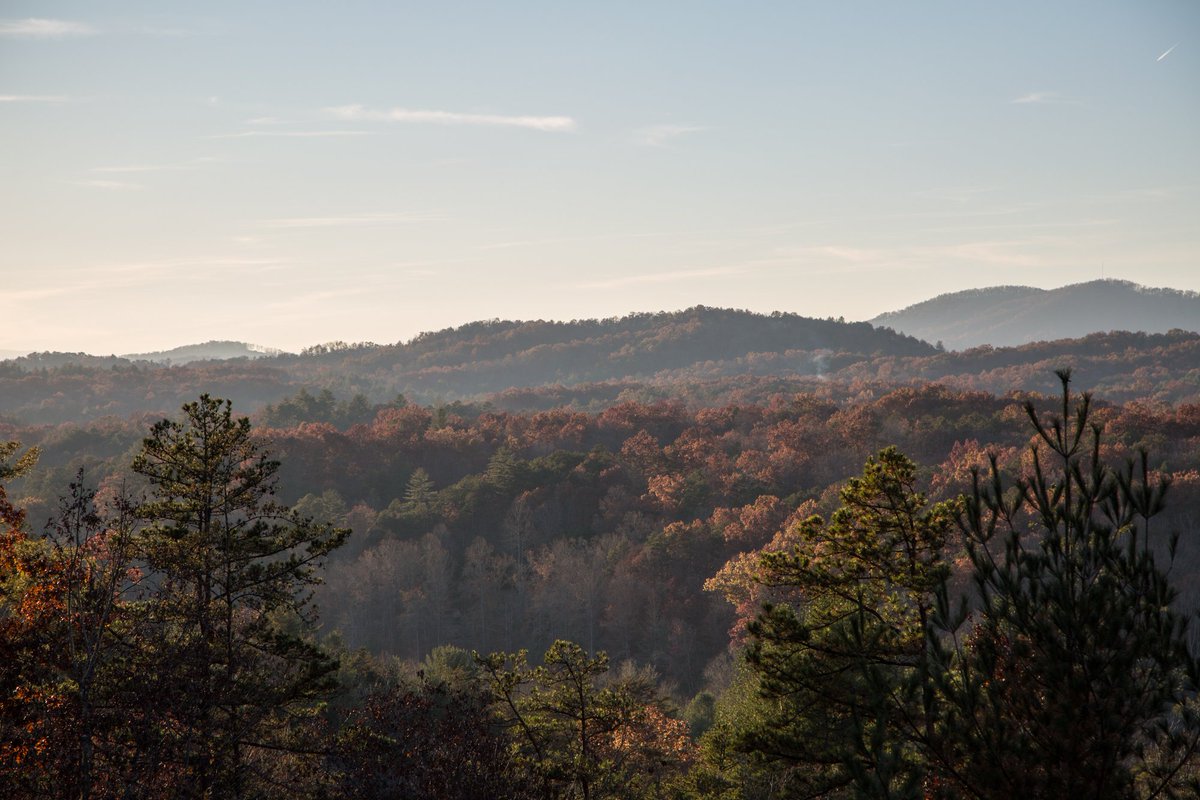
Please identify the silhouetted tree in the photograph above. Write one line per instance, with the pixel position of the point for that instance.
(233, 570)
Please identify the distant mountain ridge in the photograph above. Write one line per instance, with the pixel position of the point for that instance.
(471, 361)
(186, 354)
(1010, 316)
(492, 356)
(208, 351)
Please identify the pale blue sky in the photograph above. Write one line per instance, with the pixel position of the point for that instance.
(292, 173)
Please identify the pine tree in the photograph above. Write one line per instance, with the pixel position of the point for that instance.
(571, 734)
(1069, 674)
(836, 663)
(233, 572)
(503, 470)
(418, 495)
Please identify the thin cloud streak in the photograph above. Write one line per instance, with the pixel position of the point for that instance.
(350, 220)
(1043, 99)
(956, 195)
(659, 277)
(40, 28)
(23, 295)
(305, 302)
(1168, 52)
(659, 135)
(600, 237)
(88, 280)
(33, 98)
(289, 134)
(115, 185)
(1029, 252)
(146, 168)
(551, 124)
(188, 268)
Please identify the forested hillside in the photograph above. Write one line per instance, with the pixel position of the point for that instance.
(704, 356)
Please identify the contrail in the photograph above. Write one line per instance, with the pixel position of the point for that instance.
(1169, 49)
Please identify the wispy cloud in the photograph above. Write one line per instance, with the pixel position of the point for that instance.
(1024, 252)
(290, 134)
(115, 185)
(350, 220)
(1168, 52)
(39, 28)
(158, 30)
(660, 277)
(319, 299)
(1147, 194)
(92, 278)
(145, 168)
(177, 267)
(555, 124)
(33, 98)
(24, 295)
(1043, 99)
(599, 237)
(659, 135)
(183, 166)
(957, 195)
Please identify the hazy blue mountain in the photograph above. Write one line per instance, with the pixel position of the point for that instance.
(1009, 316)
(208, 351)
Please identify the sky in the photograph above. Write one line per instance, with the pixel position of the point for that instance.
(295, 173)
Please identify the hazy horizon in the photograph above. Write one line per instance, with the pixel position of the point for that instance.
(290, 175)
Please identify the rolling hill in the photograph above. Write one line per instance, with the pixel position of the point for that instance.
(702, 356)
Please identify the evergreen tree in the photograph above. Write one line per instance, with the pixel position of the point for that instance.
(1071, 676)
(836, 663)
(576, 736)
(233, 571)
(504, 471)
(418, 495)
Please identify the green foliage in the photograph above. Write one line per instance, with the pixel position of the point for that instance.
(1072, 675)
(326, 508)
(700, 713)
(450, 666)
(419, 494)
(576, 735)
(304, 407)
(504, 471)
(23, 463)
(727, 769)
(835, 664)
(232, 569)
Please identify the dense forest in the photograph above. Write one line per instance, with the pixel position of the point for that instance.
(661, 598)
